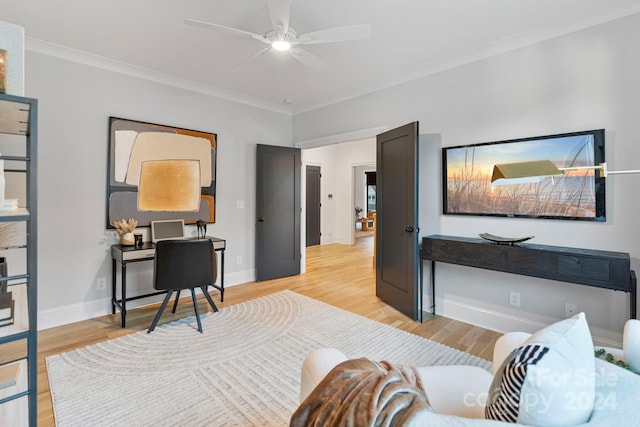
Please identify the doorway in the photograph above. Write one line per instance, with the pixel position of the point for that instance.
(363, 196)
(335, 161)
(337, 198)
(313, 205)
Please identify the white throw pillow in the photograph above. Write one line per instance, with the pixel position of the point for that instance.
(549, 380)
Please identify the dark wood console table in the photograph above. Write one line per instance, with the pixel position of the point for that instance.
(601, 269)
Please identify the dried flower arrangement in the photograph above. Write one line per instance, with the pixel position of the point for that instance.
(124, 226)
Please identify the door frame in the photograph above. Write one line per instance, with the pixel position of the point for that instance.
(304, 145)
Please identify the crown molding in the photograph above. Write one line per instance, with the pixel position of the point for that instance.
(81, 57)
(507, 44)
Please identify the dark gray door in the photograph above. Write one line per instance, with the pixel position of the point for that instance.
(277, 212)
(397, 216)
(313, 205)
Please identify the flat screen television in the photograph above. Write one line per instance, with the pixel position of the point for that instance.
(575, 194)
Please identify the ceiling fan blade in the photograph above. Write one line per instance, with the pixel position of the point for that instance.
(337, 34)
(279, 11)
(308, 59)
(252, 57)
(229, 30)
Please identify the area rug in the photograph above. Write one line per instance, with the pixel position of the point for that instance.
(243, 370)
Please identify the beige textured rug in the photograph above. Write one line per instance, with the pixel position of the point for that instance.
(243, 370)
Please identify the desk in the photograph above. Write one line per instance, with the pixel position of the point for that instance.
(600, 269)
(126, 254)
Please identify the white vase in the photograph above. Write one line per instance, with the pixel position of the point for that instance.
(127, 239)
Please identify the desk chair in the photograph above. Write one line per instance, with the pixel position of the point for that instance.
(184, 264)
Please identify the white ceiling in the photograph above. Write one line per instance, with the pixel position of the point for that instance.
(410, 38)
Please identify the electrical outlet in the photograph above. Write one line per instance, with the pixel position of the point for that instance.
(238, 260)
(514, 299)
(570, 309)
(101, 283)
(239, 204)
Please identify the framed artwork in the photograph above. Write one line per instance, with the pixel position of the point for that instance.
(575, 194)
(158, 172)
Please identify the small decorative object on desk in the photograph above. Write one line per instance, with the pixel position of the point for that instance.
(124, 228)
(201, 229)
(504, 240)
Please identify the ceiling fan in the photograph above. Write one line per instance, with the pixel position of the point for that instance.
(284, 39)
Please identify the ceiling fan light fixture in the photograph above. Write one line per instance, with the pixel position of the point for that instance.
(283, 38)
(281, 45)
(281, 42)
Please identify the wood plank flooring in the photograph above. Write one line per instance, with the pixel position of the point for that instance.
(339, 275)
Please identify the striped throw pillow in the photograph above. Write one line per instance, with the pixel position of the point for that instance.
(549, 380)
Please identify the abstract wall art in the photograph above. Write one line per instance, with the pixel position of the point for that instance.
(159, 172)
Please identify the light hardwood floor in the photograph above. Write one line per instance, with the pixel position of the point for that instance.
(339, 275)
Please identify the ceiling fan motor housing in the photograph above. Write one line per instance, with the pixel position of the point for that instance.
(275, 35)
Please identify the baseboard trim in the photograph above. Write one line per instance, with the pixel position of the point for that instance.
(457, 310)
(58, 316)
(326, 240)
(506, 322)
(343, 240)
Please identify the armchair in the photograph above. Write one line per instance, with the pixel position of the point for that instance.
(458, 394)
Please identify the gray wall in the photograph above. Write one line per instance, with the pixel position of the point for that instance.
(75, 101)
(584, 80)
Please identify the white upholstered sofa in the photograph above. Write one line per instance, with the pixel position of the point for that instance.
(457, 394)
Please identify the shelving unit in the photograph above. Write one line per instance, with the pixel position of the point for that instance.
(18, 244)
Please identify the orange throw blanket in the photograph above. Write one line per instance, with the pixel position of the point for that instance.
(361, 392)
